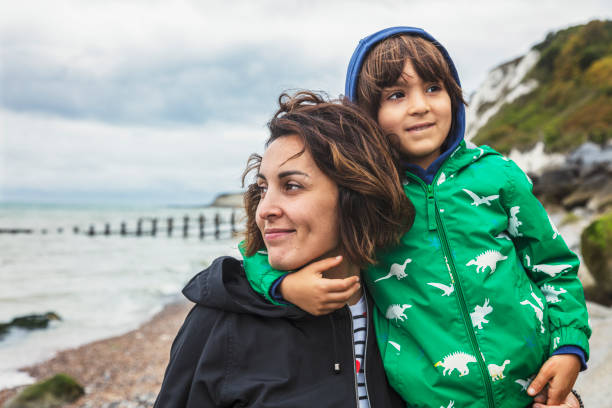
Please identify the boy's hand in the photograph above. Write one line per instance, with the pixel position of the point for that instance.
(559, 372)
(570, 401)
(310, 291)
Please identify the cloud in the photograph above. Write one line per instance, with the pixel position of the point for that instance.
(53, 155)
(107, 98)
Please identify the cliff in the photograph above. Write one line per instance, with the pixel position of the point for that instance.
(559, 93)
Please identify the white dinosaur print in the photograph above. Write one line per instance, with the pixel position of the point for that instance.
(552, 294)
(451, 404)
(554, 228)
(503, 235)
(556, 341)
(537, 299)
(397, 312)
(487, 259)
(480, 200)
(524, 383)
(514, 223)
(527, 260)
(479, 313)
(538, 310)
(456, 361)
(394, 344)
(551, 270)
(497, 372)
(441, 179)
(396, 270)
(472, 146)
(446, 289)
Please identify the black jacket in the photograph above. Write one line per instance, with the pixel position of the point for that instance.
(236, 350)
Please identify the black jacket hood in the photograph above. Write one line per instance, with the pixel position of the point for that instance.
(224, 286)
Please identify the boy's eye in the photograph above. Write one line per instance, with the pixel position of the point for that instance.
(395, 95)
(434, 88)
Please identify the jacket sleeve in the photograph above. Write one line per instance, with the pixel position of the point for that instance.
(195, 372)
(260, 274)
(550, 264)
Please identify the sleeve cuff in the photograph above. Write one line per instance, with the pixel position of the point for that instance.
(573, 350)
(275, 289)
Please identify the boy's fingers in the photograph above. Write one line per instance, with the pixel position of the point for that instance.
(557, 391)
(539, 382)
(341, 285)
(343, 296)
(541, 397)
(325, 264)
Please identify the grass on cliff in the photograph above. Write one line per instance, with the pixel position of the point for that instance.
(573, 102)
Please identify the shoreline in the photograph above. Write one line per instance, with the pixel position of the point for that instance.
(127, 367)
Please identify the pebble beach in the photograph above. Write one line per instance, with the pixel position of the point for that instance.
(120, 372)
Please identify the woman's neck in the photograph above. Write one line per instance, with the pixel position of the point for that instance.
(342, 271)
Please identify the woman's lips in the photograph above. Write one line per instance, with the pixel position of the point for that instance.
(277, 233)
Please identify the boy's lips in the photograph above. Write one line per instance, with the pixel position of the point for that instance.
(271, 234)
(420, 126)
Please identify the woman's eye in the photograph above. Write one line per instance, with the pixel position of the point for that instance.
(262, 189)
(292, 186)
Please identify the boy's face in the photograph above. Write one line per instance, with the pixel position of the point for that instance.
(418, 115)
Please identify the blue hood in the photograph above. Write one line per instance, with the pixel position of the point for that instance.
(365, 45)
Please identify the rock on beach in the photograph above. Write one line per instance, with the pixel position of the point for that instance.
(120, 372)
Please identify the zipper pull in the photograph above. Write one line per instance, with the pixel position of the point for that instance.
(431, 209)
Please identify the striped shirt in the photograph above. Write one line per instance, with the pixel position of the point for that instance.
(360, 319)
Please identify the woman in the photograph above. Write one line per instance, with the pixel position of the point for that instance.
(325, 187)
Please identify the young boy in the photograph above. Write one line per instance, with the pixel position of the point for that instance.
(481, 295)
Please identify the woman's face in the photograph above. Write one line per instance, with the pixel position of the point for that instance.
(298, 211)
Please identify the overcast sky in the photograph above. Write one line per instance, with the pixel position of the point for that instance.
(149, 101)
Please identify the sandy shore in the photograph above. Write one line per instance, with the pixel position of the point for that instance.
(119, 372)
(126, 371)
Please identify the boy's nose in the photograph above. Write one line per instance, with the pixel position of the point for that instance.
(418, 104)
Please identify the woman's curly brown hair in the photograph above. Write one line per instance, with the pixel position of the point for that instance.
(350, 148)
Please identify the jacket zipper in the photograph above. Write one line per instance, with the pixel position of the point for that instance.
(434, 222)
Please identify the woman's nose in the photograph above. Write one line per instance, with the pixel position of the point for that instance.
(269, 206)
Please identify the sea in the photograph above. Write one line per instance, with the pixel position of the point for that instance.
(100, 285)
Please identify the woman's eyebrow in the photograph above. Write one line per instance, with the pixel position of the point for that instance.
(292, 173)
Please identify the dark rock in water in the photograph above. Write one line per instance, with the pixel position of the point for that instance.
(595, 242)
(54, 392)
(29, 322)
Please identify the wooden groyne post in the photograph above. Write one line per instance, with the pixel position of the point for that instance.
(185, 226)
(201, 221)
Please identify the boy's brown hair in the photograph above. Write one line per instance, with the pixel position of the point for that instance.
(384, 65)
(349, 147)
